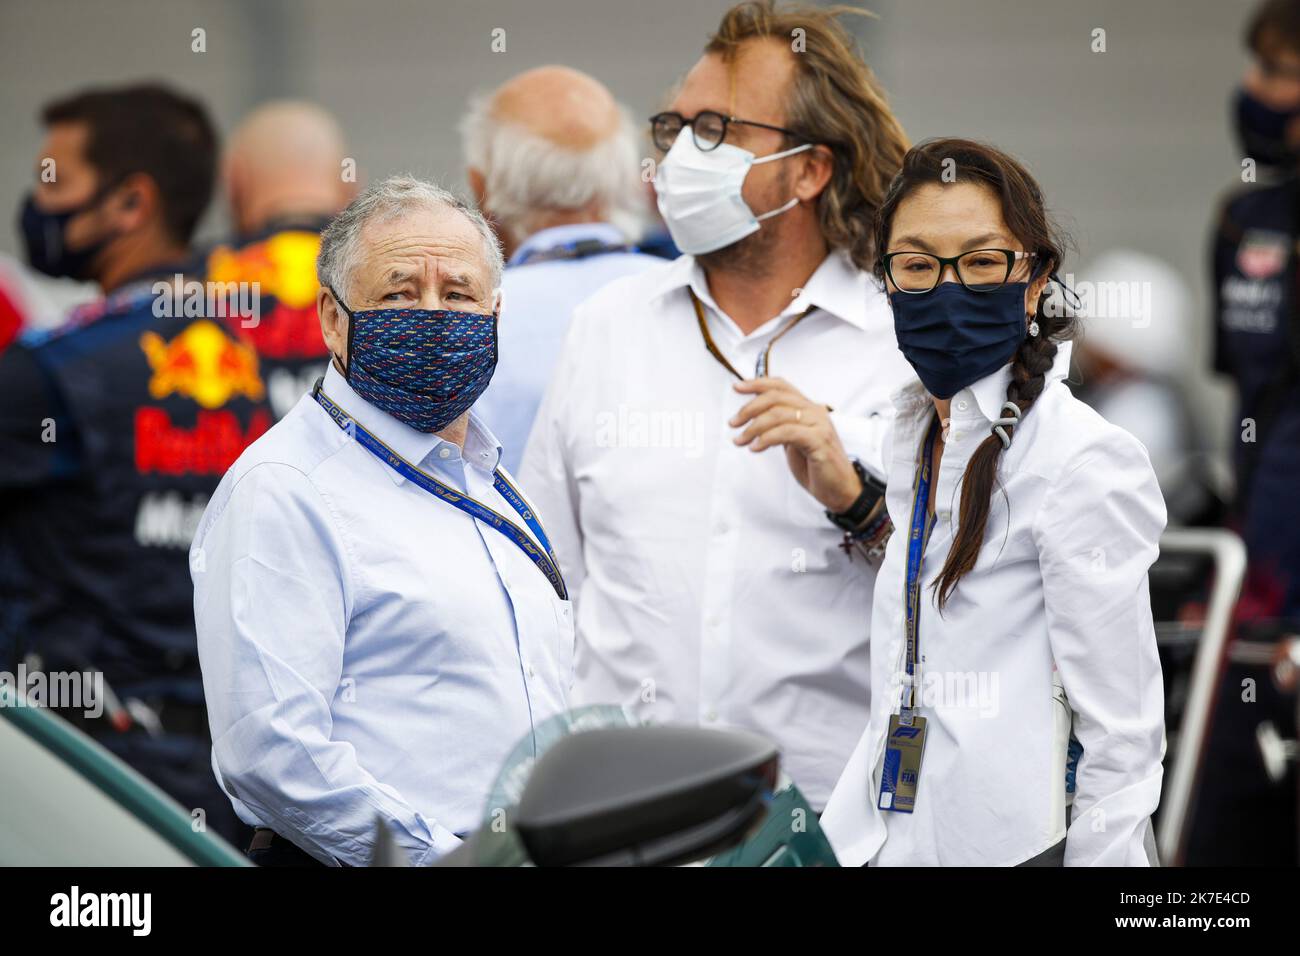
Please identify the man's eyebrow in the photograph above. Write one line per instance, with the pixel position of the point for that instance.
(463, 279)
(396, 275)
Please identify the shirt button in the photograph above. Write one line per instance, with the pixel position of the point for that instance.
(711, 716)
(444, 452)
(962, 405)
(531, 672)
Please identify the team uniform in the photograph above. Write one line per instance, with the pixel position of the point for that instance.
(274, 272)
(1257, 343)
(115, 431)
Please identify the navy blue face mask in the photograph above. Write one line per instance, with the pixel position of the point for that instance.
(954, 337)
(1261, 131)
(425, 367)
(44, 235)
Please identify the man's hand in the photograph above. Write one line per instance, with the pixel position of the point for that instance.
(780, 415)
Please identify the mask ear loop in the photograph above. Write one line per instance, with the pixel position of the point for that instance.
(347, 367)
(782, 155)
(1077, 304)
(778, 210)
(767, 159)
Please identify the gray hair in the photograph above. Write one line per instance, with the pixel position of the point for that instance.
(383, 201)
(526, 174)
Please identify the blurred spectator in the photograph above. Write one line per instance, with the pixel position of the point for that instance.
(116, 427)
(286, 175)
(553, 161)
(1132, 363)
(1257, 330)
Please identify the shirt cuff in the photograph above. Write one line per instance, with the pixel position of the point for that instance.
(444, 841)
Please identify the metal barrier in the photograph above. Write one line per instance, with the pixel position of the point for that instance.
(1229, 555)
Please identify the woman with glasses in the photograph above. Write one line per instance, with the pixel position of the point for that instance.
(1011, 617)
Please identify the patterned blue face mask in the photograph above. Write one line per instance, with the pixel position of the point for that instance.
(425, 367)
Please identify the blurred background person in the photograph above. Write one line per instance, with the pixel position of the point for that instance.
(709, 588)
(286, 174)
(1257, 330)
(1257, 347)
(553, 162)
(1132, 363)
(116, 427)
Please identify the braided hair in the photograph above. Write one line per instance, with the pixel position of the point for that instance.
(939, 161)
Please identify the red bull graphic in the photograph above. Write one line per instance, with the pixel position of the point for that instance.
(202, 363)
(284, 268)
(209, 367)
(209, 448)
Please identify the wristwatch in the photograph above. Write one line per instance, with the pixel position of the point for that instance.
(855, 519)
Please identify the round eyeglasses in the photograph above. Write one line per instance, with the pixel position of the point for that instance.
(708, 129)
(980, 270)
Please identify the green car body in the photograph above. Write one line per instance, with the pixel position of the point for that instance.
(66, 801)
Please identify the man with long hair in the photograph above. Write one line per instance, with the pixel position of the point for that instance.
(709, 587)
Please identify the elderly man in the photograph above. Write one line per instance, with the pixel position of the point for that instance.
(380, 619)
(710, 587)
(553, 160)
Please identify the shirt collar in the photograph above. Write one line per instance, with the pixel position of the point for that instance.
(990, 392)
(482, 450)
(836, 286)
(563, 235)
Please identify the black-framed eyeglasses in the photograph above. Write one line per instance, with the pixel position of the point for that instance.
(980, 270)
(708, 129)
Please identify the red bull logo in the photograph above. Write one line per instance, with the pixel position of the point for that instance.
(203, 363)
(283, 268)
(209, 448)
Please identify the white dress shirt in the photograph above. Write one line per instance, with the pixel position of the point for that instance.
(1057, 599)
(368, 651)
(537, 302)
(710, 587)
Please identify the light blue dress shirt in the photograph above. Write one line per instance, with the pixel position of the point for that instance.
(538, 299)
(368, 651)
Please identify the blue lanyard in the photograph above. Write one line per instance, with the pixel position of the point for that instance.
(544, 558)
(917, 537)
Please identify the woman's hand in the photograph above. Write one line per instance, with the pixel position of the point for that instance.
(779, 414)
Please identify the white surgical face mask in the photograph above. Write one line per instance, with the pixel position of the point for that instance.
(699, 194)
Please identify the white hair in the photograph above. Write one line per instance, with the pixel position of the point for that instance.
(527, 175)
(390, 199)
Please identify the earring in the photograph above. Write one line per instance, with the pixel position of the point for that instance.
(1033, 328)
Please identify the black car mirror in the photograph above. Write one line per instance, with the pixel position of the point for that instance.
(645, 796)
